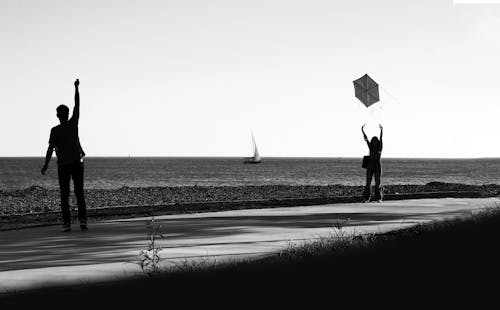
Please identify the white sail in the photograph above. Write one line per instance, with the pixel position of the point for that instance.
(256, 154)
(255, 150)
(256, 157)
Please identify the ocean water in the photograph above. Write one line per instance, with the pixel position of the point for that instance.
(116, 172)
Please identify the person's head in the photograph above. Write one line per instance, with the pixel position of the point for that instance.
(374, 141)
(62, 113)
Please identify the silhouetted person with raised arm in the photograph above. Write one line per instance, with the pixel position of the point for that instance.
(374, 167)
(64, 139)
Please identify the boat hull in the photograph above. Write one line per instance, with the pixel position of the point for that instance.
(251, 161)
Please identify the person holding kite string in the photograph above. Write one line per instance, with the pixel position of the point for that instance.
(366, 90)
(374, 167)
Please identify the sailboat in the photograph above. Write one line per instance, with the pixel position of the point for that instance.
(256, 158)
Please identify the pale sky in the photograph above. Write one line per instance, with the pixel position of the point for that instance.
(194, 77)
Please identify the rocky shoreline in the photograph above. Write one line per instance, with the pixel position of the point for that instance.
(36, 199)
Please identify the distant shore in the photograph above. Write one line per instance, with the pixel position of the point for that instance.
(36, 199)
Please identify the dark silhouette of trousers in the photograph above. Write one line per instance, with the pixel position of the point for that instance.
(66, 173)
(374, 169)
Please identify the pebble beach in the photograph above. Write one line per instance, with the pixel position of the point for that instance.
(37, 199)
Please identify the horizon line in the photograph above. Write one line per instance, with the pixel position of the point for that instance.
(269, 157)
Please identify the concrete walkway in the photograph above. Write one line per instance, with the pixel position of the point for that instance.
(40, 257)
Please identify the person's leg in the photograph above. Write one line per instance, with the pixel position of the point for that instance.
(64, 180)
(378, 187)
(369, 175)
(77, 175)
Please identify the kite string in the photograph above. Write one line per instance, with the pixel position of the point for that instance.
(388, 93)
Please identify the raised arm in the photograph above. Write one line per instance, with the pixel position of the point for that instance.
(364, 134)
(381, 132)
(76, 109)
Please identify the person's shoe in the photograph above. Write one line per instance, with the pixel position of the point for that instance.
(379, 201)
(66, 228)
(84, 227)
(366, 200)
